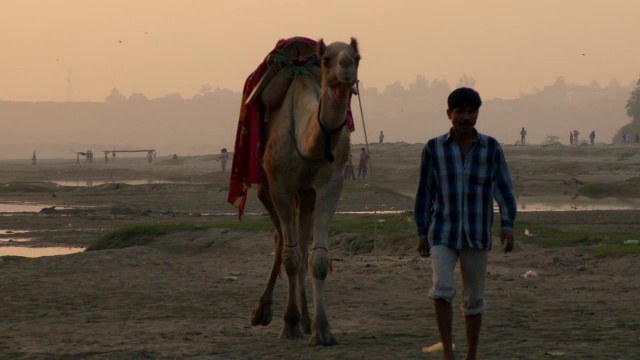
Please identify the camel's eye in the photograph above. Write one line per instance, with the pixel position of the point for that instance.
(326, 60)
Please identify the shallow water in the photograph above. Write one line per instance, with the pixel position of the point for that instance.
(89, 183)
(526, 204)
(38, 252)
(19, 207)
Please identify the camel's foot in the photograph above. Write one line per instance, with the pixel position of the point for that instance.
(306, 324)
(322, 337)
(262, 314)
(291, 331)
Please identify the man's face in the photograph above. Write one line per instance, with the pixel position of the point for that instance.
(463, 119)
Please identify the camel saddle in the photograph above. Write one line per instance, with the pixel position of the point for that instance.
(272, 86)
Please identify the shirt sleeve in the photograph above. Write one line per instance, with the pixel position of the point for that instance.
(425, 193)
(503, 191)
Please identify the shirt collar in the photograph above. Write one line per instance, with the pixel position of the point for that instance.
(480, 138)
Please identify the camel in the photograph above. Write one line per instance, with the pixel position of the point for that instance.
(307, 145)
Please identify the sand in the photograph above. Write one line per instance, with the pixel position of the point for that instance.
(189, 295)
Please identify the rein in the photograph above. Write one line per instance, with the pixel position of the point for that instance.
(327, 136)
(304, 70)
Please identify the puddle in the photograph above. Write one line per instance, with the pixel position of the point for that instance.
(579, 204)
(10, 240)
(26, 207)
(37, 252)
(9, 232)
(89, 183)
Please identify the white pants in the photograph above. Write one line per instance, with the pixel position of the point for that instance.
(473, 267)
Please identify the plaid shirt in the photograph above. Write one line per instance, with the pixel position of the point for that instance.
(454, 202)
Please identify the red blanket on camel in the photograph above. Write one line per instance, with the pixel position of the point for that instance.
(250, 137)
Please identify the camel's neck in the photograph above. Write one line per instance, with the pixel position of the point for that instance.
(327, 123)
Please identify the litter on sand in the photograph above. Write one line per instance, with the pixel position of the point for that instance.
(435, 348)
(555, 353)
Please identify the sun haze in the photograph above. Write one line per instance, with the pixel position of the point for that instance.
(78, 50)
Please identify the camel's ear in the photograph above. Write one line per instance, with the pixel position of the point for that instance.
(321, 48)
(354, 44)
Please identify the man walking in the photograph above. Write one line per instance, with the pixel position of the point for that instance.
(461, 172)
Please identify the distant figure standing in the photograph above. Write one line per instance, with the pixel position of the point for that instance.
(175, 157)
(523, 134)
(626, 137)
(106, 157)
(77, 158)
(570, 137)
(223, 157)
(637, 138)
(348, 169)
(575, 137)
(33, 158)
(362, 165)
(381, 137)
(592, 137)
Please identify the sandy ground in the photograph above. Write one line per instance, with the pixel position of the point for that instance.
(189, 295)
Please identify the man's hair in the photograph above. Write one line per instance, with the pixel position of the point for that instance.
(464, 97)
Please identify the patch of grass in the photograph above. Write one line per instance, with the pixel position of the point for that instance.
(608, 244)
(394, 226)
(622, 189)
(134, 235)
(143, 234)
(28, 187)
(619, 250)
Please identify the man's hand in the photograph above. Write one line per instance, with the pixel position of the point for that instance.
(423, 247)
(506, 239)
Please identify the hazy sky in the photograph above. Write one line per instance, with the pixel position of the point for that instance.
(158, 47)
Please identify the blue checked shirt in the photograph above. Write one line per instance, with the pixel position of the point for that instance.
(454, 202)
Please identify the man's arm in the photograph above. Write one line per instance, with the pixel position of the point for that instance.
(424, 200)
(505, 197)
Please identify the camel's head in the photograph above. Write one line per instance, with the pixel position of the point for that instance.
(339, 65)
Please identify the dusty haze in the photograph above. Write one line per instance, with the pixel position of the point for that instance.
(71, 50)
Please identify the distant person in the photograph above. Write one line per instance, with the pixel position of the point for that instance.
(175, 157)
(77, 158)
(523, 134)
(575, 137)
(33, 158)
(113, 155)
(626, 138)
(381, 137)
(637, 138)
(570, 137)
(348, 169)
(150, 156)
(223, 157)
(106, 157)
(362, 164)
(592, 137)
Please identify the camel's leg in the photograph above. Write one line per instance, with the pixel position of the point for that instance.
(262, 313)
(283, 200)
(326, 203)
(306, 203)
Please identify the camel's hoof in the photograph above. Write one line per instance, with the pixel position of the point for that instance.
(261, 314)
(306, 326)
(323, 338)
(291, 332)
